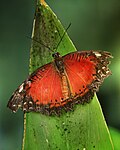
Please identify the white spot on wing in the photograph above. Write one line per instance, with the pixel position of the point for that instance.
(29, 83)
(25, 103)
(103, 67)
(24, 109)
(107, 71)
(99, 71)
(97, 54)
(21, 88)
(30, 102)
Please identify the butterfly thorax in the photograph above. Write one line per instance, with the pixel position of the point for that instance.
(58, 62)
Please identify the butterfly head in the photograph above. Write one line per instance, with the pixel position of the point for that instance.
(56, 55)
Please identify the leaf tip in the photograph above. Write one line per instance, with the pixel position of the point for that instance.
(42, 2)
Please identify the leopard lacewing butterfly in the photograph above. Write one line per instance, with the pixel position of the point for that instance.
(67, 80)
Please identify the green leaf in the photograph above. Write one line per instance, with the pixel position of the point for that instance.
(115, 134)
(81, 129)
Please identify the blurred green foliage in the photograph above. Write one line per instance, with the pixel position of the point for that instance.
(95, 25)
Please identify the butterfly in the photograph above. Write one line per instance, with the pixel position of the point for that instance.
(62, 83)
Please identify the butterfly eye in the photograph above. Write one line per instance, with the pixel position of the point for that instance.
(53, 55)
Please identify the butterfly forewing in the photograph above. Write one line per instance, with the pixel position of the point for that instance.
(40, 91)
(79, 71)
(46, 85)
(86, 70)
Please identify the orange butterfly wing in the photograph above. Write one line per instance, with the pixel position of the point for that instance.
(39, 92)
(46, 85)
(86, 71)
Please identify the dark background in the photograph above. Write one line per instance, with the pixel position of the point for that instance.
(95, 25)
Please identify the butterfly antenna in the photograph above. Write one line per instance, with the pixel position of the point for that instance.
(40, 43)
(62, 36)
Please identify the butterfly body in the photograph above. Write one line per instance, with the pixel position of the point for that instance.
(62, 83)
